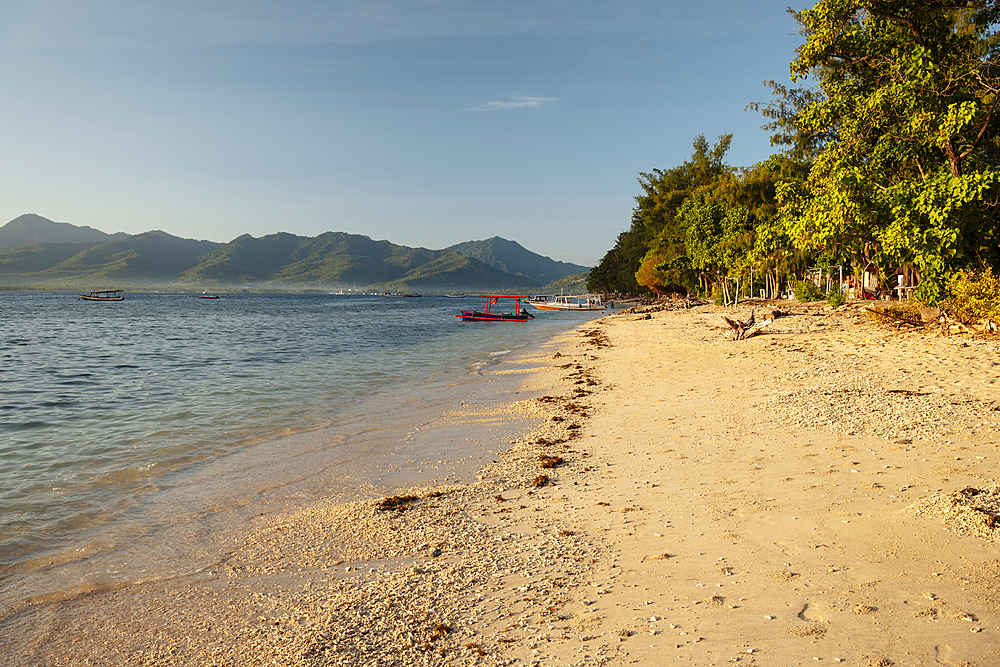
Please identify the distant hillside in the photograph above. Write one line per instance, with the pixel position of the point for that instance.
(38, 256)
(29, 229)
(456, 272)
(147, 257)
(337, 258)
(332, 259)
(574, 284)
(514, 258)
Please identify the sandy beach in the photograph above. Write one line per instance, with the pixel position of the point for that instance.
(822, 493)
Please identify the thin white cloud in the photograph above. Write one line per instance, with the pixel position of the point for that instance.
(516, 102)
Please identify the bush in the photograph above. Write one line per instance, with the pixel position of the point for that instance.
(835, 298)
(806, 290)
(974, 295)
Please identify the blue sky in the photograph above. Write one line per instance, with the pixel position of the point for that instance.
(424, 122)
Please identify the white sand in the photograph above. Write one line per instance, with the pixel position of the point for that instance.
(793, 498)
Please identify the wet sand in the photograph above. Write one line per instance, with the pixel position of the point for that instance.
(821, 493)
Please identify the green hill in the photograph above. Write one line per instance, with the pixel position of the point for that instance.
(38, 256)
(29, 229)
(147, 257)
(282, 260)
(573, 284)
(515, 259)
(337, 258)
(453, 271)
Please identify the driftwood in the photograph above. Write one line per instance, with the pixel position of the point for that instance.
(932, 317)
(748, 329)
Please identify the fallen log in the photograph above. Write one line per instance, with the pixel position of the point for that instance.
(748, 329)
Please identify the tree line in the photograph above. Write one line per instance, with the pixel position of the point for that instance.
(888, 159)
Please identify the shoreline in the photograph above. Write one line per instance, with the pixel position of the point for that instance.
(788, 497)
(158, 526)
(442, 447)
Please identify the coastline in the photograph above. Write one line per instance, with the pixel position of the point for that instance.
(788, 497)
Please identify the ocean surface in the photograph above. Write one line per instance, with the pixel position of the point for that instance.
(134, 433)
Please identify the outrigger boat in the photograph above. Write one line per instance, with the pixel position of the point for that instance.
(519, 314)
(104, 295)
(570, 303)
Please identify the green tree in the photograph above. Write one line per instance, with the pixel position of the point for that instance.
(909, 93)
(718, 237)
(616, 270)
(796, 140)
(654, 239)
(664, 191)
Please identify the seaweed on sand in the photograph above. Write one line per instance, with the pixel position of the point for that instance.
(398, 503)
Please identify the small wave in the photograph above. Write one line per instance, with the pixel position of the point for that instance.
(24, 426)
(500, 353)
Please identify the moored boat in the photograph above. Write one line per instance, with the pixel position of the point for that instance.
(489, 315)
(104, 295)
(571, 303)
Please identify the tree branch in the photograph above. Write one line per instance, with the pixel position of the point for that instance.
(907, 21)
(982, 131)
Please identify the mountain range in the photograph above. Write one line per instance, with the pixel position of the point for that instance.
(35, 251)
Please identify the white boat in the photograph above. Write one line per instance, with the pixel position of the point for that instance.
(571, 303)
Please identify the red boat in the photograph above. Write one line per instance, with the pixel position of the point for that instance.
(519, 315)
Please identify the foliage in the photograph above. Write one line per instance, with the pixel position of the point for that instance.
(909, 91)
(730, 226)
(974, 295)
(573, 284)
(650, 254)
(800, 143)
(806, 291)
(616, 270)
(718, 238)
(836, 297)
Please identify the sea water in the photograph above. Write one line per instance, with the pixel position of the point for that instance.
(130, 432)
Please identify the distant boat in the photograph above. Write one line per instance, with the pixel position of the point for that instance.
(488, 315)
(104, 295)
(570, 303)
(207, 296)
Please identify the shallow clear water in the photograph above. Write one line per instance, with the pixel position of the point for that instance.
(138, 422)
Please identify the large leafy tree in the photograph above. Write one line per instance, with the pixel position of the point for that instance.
(654, 236)
(731, 229)
(616, 270)
(665, 263)
(910, 93)
(796, 141)
(718, 238)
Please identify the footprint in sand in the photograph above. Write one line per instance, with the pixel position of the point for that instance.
(944, 656)
(810, 613)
